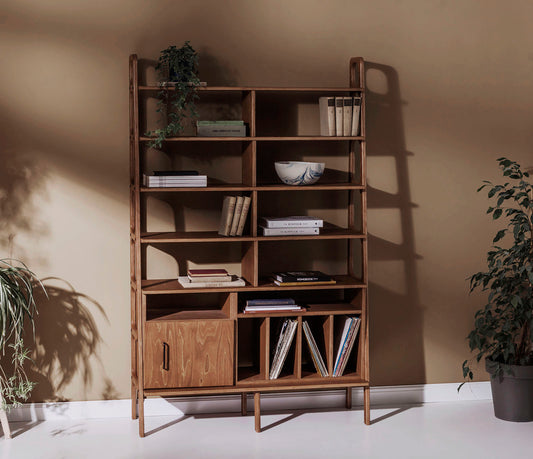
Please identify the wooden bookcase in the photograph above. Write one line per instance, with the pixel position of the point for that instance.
(197, 341)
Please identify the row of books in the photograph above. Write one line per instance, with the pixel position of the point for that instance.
(175, 179)
(271, 305)
(344, 344)
(208, 278)
(339, 116)
(234, 213)
(298, 278)
(286, 226)
(233, 128)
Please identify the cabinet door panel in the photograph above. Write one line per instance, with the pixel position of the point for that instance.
(188, 353)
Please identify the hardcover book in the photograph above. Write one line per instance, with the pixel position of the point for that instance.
(301, 276)
(339, 115)
(228, 208)
(327, 115)
(347, 116)
(291, 222)
(268, 301)
(244, 215)
(236, 215)
(289, 231)
(207, 272)
(356, 114)
(186, 283)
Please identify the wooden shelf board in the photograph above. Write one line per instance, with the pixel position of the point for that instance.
(315, 187)
(312, 310)
(258, 139)
(213, 187)
(252, 88)
(203, 314)
(169, 286)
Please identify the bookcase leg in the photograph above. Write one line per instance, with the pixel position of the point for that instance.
(133, 402)
(141, 414)
(257, 411)
(243, 404)
(366, 394)
(348, 398)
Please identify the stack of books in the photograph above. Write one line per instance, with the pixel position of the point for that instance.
(234, 212)
(271, 305)
(339, 116)
(220, 129)
(286, 226)
(298, 278)
(285, 337)
(175, 179)
(345, 343)
(207, 278)
(318, 361)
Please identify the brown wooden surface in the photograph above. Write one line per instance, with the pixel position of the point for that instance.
(244, 400)
(366, 397)
(297, 138)
(200, 353)
(348, 399)
(257, 411)
(264, 349)
(259, 89)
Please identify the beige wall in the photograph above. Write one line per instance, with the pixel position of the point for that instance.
(450, 89)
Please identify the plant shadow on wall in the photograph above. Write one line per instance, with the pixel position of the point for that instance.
(396, 324)
(67, 342)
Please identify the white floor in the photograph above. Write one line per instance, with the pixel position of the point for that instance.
(434, 430)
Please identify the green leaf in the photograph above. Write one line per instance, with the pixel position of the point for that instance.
(497, 214)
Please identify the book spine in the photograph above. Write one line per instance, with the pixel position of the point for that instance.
(228, 208)
(290, 231)
(236, 216)
(339, 113)
(186, 283)
(220, 123)
(294, 284)
(347, 116)
(327, 115)
(244, 215)
(293, 223)
(356, 113)
(267, 302)
(210, 279)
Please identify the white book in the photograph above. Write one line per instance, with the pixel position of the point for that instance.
(228, 207)
(356, 115)
(327, 115)
(185, 282)
(196, 280)
(290, 231)
(347, 116)
(236, 216)
(339, 115)
(292, 222)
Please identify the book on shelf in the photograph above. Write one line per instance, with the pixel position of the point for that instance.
(327, 115)
(228, 208)
(290, 231)
(221, 128)
(339, 113)
(176, 173)
(294, 284)
(219, 272)
(273, 308)
(236, 215)
(347, 116)
(316, 356)
(243, 215)
(284, 342)
(171, 181)
(356, 114)
(291, 222)
(235, 282)
(270, 301)
(220, 123)
(301, 276)
(226, 278)
(345, 342)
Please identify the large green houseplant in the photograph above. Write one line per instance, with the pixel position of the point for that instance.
(178, 75)
(503, 329)
(17, 309)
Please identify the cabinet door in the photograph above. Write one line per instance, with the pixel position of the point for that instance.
(188, 353)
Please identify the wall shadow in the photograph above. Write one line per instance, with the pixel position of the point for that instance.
(396, 315)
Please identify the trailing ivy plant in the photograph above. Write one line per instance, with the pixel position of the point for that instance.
(17, 305)
(178, 74)
(503, 329)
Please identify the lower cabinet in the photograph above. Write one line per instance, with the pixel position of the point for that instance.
(188, 353)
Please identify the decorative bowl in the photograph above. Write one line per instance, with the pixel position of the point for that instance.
(299, 172)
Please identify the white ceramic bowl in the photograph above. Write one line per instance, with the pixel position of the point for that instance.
(299, 172)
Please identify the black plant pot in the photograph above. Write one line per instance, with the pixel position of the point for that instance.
(512, 391)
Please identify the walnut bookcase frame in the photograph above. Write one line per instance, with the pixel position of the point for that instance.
(193, 350)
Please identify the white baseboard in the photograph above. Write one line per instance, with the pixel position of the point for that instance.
(389, 396)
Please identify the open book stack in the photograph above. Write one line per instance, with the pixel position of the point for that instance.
(345, 343)
(207, 278)
(339, 116)
(285, 337)
(298, 278)
(234, 213)
(271, 305)
(286, 226)
(175, 179)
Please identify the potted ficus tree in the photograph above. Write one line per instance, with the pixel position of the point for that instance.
(178, 74)
(503, 329)
(17, 309)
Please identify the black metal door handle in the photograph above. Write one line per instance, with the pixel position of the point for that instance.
(166, 352)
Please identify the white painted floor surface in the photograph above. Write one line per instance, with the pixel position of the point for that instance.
(434, 430)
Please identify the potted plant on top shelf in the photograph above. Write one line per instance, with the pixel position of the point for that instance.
(178, 73)
(17, 306)
(503, 329)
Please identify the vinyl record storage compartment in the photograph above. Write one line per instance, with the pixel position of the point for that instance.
(198, 341)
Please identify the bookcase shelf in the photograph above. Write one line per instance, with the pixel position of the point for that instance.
(193, 341)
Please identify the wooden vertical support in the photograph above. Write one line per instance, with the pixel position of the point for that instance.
(298, 351)
(328, 338)
(257, 411)
(264, 348)
(366, 395)
(244, 400)
(249, 265)
(134, 396)
(348, 398)
(140, 365)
